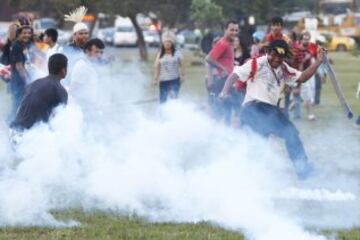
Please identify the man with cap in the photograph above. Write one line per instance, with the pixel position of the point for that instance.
(260, 111)
(80, 30)
(75, 49)
(80, 37)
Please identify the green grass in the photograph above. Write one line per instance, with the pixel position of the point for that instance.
(100, 225)
(109, 226)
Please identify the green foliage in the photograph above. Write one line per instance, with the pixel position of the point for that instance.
(206, 13)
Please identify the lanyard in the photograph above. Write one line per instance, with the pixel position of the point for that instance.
(276, 77)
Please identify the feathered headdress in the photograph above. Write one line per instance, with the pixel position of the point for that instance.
(23, 22)
(77, 16)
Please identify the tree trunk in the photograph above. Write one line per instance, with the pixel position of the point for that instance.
(140, 36)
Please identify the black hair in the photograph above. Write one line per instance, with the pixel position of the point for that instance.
(94, 42)
(162, 50)
(230, 22)
(243, 45)
(41, 37)
(277, 20)
(294, 36)
(57, 62)
(20, 29)
(52, 33)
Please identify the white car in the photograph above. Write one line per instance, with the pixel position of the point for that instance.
(125, 36)
(40, 25)
(152, 38)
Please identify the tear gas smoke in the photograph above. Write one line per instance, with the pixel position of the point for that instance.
(173, 164)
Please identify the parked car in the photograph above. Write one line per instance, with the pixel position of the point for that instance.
(340, 43)
(152, 38)
(64, 36)
(40, 25)
(333, 41)
(125, 36)
(109, 35)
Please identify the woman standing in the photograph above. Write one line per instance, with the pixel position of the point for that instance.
(169, 68)
(241, 52)
(241, 55)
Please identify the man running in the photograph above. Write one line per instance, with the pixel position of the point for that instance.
(260, 111)
(42, 95)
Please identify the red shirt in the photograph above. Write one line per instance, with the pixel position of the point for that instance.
(223, 52)
(313, 49)
(300, 52)
(270, 37)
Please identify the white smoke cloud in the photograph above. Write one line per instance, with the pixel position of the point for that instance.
(170, 164)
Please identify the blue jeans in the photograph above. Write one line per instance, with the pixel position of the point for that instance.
(297, 106)
(266, 119)
(167, 88)
(17, 93)
(220, 109)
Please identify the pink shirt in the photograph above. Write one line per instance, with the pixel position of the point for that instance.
(223, 52)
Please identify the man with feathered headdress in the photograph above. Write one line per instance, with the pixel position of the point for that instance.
(74, 51)
(80, 29)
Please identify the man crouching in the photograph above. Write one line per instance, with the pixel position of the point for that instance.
(42, 95)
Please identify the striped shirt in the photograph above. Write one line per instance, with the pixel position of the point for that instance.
(170, 66)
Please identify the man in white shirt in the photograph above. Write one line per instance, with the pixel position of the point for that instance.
(50, 38)
(260, 111)
(85, 77)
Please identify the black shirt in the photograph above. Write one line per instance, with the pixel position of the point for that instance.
(238, 61)
(40, 98)
(18, 53)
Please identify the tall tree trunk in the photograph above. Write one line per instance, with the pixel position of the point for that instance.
(140, 36)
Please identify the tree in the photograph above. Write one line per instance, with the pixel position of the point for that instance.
(169, 12)
(206, 13)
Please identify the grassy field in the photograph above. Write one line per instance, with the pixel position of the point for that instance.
(99, 225)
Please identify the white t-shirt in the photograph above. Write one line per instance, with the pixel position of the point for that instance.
(264, 87)
(170, 66)
(52, 51)
(84, 84)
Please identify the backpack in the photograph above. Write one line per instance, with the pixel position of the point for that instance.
(239, 85)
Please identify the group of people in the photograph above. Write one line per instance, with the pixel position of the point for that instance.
(256, 83)
(34, 65)
(247, 83)
(292, 98)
